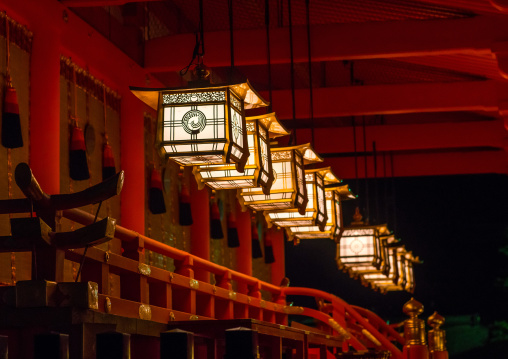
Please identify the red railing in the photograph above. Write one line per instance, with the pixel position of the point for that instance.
(157, 294)
(343, 312)
(174, 295)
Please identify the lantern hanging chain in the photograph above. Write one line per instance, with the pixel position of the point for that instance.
(199, 47)
(356, 155)
(393, 194)
(309, 53)
(385, 187)
(376, 192)
(268, 54)
(367, 206)
(231, 38)
(293, 137)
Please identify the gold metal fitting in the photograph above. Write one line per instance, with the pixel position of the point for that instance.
(437, 336)
(414, 327)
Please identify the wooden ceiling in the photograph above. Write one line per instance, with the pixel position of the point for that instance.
(427, 78)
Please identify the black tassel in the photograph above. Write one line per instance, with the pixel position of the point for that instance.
(108, 162)
(78, 164)
(269, 258)
(256, 246)
(11, 122)
(156, 202)
(215, 223)
(184, 206)
(233, 239)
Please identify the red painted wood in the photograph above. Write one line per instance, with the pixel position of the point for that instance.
(390, 99)
(358, 41)
(244, 252)
(415, 352)
(200, 229)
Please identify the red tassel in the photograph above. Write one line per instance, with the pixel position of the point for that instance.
(11, 122)
(156, 202)
(108, 162)
(215, 222)
(78, 165)
(184, 206)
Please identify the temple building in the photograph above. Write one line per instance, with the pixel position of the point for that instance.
(253, 179)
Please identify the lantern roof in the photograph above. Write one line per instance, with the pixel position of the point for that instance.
(271, 122)
(251, 98)
(306, 150)
(328, 176)
(345, 193)
(381, 228)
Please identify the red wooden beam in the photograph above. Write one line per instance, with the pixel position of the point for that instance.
(425, 164)
(98, 3)
(410, 137)
(334, 42)
(391, 99)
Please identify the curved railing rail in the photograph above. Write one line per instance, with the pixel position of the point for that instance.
(178, 296)
(340, 305)
(380, 324)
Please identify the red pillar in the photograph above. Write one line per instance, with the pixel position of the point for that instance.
(415, 352)
(44, 98)
(244, 252)
(133, 164)
(200, 229)
(278, 267)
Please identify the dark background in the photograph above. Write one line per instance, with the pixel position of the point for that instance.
(458, 225)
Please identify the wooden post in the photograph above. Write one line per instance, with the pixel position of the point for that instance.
(414, 332)
(244, 252)
(200, 229)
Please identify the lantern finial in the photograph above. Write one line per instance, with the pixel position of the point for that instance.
(357, 217)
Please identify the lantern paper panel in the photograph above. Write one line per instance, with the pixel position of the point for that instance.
(288, 189)
(316, 213)
(334, 226)
(360, 250)
(199, 126)
(258, 169)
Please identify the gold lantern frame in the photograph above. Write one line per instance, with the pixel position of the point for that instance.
(258, 169)
(203, 124)
(288, 189)
(334, 227)
(316, 213)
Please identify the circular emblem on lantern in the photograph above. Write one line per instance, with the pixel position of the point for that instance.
(356, 246)
(194, 121)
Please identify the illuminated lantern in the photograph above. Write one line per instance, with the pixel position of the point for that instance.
(258, 170)
(387, 282)
(410, 280)
(334, 226)
(205, 124)
(359, 250)
(288, 188)
(315, 212)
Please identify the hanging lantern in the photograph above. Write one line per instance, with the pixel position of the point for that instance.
(288, 188)
(316, 213)
(410, 280)
(359, 250)
(391, 281)
(204, 124)
(258, 169)
(334, 226)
